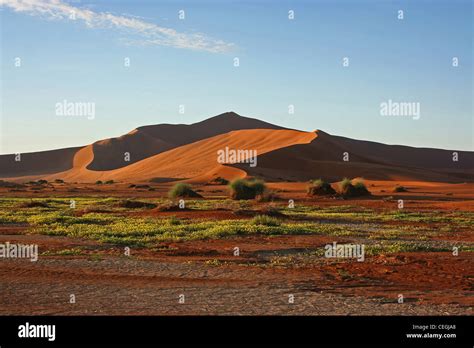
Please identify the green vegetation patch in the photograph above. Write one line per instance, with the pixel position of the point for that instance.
(246, 188)
(319, 187)
(348, 189)
(104, 220)
(182, 190)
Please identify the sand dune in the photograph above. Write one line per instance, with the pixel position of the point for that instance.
(37, 163)
(196, 161)
(147, 141)
(181, 134)
(110, 153)
(323, 158)
(140, 143)
(163, 153)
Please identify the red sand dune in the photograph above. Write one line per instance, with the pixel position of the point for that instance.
(189, 152)
(323, 158)
(198, 159)
(147, 141)
(141, 143)
(37, 163)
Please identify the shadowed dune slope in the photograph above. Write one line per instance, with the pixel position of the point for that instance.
(323, 158)
(37, 163)
(111, 153)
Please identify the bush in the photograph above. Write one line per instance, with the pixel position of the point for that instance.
(42, 182)
(59, 181)
(183, 190)
(109, 182)
(399, 188)
(345, 183)
(246, 189)
(353, 190)
(98, 182)
(265, 220)
(319, 187)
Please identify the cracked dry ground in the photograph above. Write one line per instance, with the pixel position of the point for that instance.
(105, 282)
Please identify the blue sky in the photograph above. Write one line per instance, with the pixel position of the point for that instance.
(282, 62)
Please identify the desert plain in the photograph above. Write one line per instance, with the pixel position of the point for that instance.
(112, 241)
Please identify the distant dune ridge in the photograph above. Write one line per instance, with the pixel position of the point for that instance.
(168, 152)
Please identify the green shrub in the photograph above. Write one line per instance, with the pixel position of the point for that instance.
(246, 188)
(319, 187)
(361, 189)
(183, 190)
(59, 181)
(109, 182)
(265, 220)
(99, 182)
(346, 182)
(353, 190)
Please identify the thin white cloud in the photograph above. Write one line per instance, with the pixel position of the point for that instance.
(149, 33)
